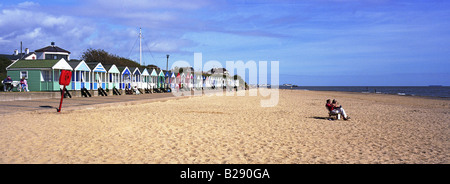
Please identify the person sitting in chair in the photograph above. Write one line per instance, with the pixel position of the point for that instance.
(334, 108)
(7, 86)
(136, 91)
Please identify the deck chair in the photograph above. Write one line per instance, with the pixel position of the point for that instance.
(128, 91)
(333, 115)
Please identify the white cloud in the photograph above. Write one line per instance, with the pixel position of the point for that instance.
(27, 4)
(34, 34)
(50, 21)
(152, 4)
(37, 28)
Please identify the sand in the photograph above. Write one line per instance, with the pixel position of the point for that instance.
(235, 129)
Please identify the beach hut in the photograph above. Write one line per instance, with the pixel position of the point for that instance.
(161, 79)
(198, 81)
(154, 79)
(41, 75)
(186, 80)
(167, 79)
(145, 78)
(173, 80)
(98, 76)
(191, 81)
(183, 80)
(136, 77)
(208, 82)
(178, 81)
(81, 75)
(203, 81)
(113, 76)
(125, 78)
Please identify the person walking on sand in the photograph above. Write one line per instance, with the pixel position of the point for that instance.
(337, 109)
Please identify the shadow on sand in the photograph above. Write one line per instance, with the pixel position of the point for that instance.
(46, 106)
(317, 117)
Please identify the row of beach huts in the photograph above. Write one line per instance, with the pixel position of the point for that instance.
(42, 69)
(43, 75)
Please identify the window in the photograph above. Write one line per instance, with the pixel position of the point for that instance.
(55, 56)
(24, 74)
(56, 75)
(46, 75)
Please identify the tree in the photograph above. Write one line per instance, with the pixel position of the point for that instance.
(4, 62)
(100, 55)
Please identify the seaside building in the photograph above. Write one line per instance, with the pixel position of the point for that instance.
(167, 78)
(145, 78)
(125, 77)
(20, 56)
(98, 75)
(198, 80)
(161, 79)
(41, 75)
(173, 80)
(153, 79)
(52, 52)
(113, 74)
(42, 69)
(136, 77)
(81, 75)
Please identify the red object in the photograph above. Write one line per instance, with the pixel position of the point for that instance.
(62, 97)
(330, 107)
(64, 78)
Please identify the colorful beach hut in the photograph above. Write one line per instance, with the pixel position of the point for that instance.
(161, 79)
(198, 81)
(113, 73)
(136, 77)
(172, 80)
(178, 81)
(98, 75)
(81, 75)
(203, 81)
(183, 80)
(41, 75)
(190, 81)
(125, 78)
(145, 78)
(154, 79)
(167, 79)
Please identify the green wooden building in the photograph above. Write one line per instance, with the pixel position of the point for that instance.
(41, 75)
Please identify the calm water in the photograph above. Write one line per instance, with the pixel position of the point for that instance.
(431, 91)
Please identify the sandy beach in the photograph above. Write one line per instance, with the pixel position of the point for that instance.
(235, 129)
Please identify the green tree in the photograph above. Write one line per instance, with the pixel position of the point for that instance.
(100, 55)
(4, 62)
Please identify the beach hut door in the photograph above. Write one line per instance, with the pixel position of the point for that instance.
(82, 79)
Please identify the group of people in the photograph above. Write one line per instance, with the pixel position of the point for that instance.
(8, 84)
(335, 108)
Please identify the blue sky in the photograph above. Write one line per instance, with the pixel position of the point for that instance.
(317, 42)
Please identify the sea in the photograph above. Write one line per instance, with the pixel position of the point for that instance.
(422, 91)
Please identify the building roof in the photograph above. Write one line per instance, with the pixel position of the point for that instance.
(144, 72)
(74, 63)
(52, 48)
(96, 67)
(79, 65)
(16, 57)
(34, 64)
(111, 68)
(41, 64)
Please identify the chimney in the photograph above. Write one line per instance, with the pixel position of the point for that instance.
(53, 44)
(27, 51)
(16, 52)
